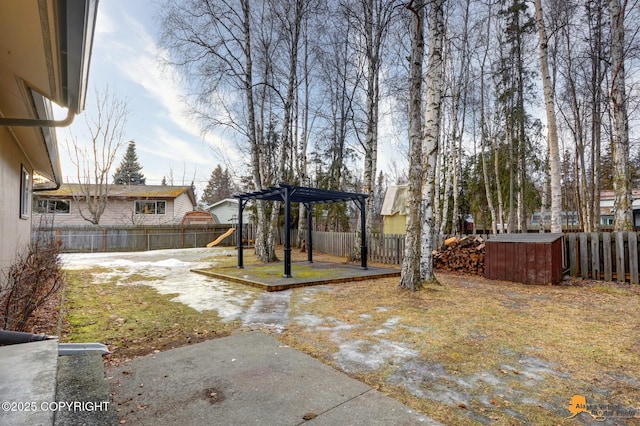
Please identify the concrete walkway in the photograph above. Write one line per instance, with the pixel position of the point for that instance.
(247, 378)
(38, 387)
(27, 383)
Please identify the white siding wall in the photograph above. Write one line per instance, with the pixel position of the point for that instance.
(181, 205)
(225, 211)
(15, 232)
(122, 212)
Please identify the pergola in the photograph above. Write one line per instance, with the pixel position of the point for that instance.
(307, 196)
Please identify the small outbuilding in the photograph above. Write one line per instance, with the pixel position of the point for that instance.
(525, 258)
(226, 212)
(394, 210)
(198, 217)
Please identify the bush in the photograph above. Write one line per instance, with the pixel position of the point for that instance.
(34, 277)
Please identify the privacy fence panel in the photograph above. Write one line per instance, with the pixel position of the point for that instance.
(609, 256)
(336, 243)
(387, 248)
(132, 238)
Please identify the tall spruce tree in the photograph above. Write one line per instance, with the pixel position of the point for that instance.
(129, 170)
(219, 187)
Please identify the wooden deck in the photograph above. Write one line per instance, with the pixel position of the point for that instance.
(269, 277)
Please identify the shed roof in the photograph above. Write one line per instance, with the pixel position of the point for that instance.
(395, 201)
(221, 202)
(525, 238)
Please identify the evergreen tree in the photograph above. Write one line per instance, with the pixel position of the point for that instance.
(219, 187)
(129, 170)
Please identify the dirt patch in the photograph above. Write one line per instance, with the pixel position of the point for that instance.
(213, 395)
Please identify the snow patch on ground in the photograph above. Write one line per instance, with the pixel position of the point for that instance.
(169, 272)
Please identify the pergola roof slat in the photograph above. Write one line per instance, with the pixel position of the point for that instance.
(301, 194)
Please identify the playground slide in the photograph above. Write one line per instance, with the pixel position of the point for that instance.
(221, 237)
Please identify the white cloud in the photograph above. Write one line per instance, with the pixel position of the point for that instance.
(138, 61)
(169, 146)
(104, 24)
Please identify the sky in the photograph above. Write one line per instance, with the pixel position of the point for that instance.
(124, 60)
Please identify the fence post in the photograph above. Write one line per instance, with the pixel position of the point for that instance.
(620, 273)
(584, 256)
(633, 257)
(595, 255)
(606, 256)
(573, 264)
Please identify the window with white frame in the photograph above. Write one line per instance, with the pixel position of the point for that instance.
(150, 207)
(52, 206)
(25, 194)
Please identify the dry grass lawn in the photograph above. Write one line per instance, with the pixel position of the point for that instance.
(467, 351)
(474, 351)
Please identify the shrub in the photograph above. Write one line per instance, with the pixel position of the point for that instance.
(34, 277)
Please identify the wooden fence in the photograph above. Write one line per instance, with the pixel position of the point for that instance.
(380, 248)
(139, 238)
(605, 256)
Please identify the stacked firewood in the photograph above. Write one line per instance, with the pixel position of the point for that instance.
(464, 254)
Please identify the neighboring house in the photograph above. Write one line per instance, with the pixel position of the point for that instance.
(126, 205)
(45, 48)
(607, 199)
(226, 212)
(568, 219)
(394, 210)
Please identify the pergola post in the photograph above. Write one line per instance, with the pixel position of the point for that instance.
(287, 234)
(239, 234)
(309, 233)
(363, 234)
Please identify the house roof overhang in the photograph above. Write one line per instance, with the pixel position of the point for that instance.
(45, 50)
(129, 192)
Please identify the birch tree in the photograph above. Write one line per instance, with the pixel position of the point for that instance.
(552, 131)
(377, 17)
(484, 128)
(226, 49)
(459, 95)
(302, 123)
(340, 74)
(410, 277)
(622, 220)
(431, 134)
